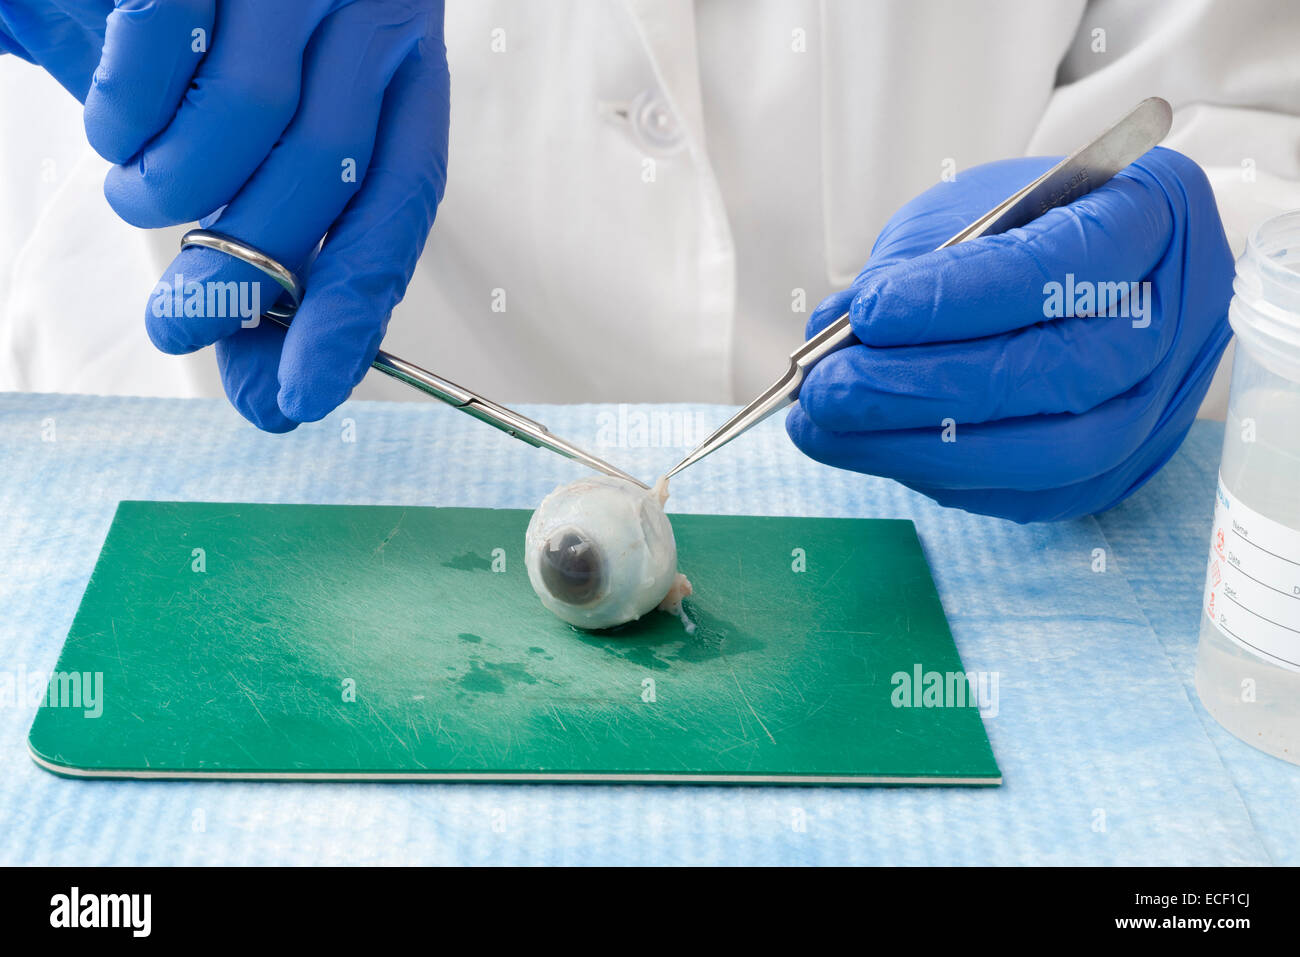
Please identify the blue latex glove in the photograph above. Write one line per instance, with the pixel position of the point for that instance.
(1054, 417)
(374, 95)
(277, 123)
(64, 37)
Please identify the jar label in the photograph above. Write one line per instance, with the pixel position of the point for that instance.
(1252, 582)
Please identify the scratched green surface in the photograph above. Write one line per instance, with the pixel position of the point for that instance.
(252, 665)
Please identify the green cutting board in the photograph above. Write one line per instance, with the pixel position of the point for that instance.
(369, 642)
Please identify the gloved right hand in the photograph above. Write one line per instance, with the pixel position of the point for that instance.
(972, 383)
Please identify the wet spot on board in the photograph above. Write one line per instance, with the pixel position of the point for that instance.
(480, 679)
(639, 649)
(645, 657)
(471, 638)
(469, 562)
(657, 640)
(512, 671)
(493, 677)
(714, 638)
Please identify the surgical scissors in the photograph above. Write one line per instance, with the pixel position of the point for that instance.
(1081, 172)
(498, 416)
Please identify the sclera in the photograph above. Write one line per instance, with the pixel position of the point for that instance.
(600, 552)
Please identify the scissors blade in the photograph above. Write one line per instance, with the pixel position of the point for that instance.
(509, 421)
(1085, 169)
(444, 390)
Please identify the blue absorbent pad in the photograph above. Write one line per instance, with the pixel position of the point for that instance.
(1107, 757)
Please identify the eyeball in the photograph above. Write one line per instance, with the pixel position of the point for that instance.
(600, 552)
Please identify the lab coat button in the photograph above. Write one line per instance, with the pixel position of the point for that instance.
(654, 126)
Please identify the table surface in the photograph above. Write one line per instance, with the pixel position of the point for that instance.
(1107, 755)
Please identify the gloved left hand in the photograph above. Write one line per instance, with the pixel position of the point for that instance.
(277, 123)
(987, 379)
(63, 37)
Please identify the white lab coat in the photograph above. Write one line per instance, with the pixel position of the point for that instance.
(647, 197)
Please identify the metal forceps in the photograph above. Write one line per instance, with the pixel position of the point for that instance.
(1081, 172)
(507, 420)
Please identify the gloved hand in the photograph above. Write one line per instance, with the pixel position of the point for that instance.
(64, 37)
(363, 157)
(276, 123)
(976, 383)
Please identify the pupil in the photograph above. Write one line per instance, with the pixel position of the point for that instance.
(571, 568)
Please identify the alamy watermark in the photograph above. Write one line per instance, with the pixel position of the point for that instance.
(919, 688)
(633, 428)
(76, 909)
(82, 690)
(180, 299)
(1111, 300)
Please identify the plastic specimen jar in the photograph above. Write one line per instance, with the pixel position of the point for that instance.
(1248, 658)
